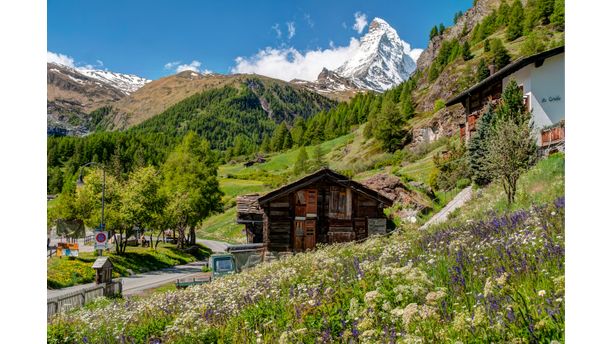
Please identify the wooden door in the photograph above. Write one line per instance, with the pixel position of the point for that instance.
(311, 202)
(298, 235)
(310, 231)
(305, 223)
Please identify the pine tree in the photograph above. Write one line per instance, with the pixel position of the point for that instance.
(265, 144)
(545, 9)
(477, 148)
(501, 57)
(483, 71)
(487, 46)
(476, 33)
(464, 31)
(318, 160)
(512, 107)
(441, 29)
(301, 162)
(515, 22)
(288, 142)
(434, 32)
(558, 16)
(297, 132)
(278, 137)
(465, 51)
(389, 130)
(503, 13)
(457, 16)
(407, 107)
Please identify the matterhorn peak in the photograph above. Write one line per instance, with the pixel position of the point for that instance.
(378, 23)
(382, 60)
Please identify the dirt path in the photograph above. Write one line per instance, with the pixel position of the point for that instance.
(459, 200)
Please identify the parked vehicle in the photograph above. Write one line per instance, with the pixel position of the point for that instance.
(237, 259)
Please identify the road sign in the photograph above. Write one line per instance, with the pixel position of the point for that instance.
(101, 239)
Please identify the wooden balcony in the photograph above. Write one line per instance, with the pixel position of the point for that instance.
(551, 136)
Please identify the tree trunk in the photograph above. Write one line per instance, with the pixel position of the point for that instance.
(116, 243)
(157, 239)
(192, 235)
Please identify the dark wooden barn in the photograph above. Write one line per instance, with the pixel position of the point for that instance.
(324, 207)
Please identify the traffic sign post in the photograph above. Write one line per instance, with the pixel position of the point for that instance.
(101, 240)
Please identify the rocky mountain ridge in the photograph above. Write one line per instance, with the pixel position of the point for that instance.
(382, 61)
(72, 93)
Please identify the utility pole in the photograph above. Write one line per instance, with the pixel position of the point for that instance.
(80, 182)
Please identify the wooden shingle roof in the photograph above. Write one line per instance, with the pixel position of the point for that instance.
(330, 175)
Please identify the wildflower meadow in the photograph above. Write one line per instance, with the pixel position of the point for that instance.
(496, 279)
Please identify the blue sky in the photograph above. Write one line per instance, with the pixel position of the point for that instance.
(155, 38)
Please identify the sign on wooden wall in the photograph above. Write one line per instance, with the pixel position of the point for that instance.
(377, 226)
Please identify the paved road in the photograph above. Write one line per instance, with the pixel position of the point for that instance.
(140, 282)
(136, 284)
(215, 246)
(459, 200)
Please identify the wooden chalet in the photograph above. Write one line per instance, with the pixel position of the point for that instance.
(541, 79)
(323, 207)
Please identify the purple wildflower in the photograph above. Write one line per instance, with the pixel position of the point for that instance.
(354, 330)
(357, 267)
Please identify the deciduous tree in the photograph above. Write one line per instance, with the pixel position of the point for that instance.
(190, 185)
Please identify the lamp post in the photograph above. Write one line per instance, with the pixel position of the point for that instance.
(80, 182)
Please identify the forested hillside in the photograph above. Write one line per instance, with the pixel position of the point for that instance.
(491, 34)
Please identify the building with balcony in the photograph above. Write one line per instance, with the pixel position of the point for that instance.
(542, 80)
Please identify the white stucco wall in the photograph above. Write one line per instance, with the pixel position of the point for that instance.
(546, 87)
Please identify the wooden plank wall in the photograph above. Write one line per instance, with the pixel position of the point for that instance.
(279, 224)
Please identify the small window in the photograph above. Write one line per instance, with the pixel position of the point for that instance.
(224, 264)
(527, 102)
(338, 203)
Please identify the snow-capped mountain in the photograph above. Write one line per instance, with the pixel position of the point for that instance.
(382, 61)
(127, 83)
(73, 93)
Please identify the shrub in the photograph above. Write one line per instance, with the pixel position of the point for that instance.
(439, 104)
(463, 183)
(533, 44)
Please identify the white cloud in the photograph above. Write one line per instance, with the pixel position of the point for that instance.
(172, 65)
(415, 53)
(290, 29)
(288, 63)
(68, 61)
(60, 59)
(309, 20)
(276, 28)
(361, 21)
(193, 66)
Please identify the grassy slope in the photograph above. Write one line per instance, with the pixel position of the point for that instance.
(259, 178)
(65, 272)
(445, 284)
(349, 152)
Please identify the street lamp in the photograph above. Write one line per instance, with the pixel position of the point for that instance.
(80, 182)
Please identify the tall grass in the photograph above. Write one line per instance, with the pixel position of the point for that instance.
(493, 277)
